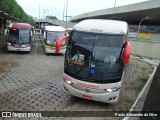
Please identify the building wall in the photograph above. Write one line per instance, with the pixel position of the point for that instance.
(145, 48)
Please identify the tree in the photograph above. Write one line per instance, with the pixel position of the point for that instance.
(51, 17)
(11, 7)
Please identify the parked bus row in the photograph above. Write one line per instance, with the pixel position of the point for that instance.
(95, 54)
(20, 38)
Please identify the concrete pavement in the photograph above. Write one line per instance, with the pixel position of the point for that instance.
(34, 83)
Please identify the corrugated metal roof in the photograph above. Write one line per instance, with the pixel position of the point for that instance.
(8, 16)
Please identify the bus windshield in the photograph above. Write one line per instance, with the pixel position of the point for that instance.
(52, 37)
(24, 36)
(94, 57)
(19, 36)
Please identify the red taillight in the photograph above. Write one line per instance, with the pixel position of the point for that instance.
(127, 53)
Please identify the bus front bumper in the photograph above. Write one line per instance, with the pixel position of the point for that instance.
(101, 97)
(48, 50)
(24, 49)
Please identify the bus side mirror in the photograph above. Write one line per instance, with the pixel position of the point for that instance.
(59, 42)
(127, 53)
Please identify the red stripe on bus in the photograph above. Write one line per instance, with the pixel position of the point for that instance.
(88, 87)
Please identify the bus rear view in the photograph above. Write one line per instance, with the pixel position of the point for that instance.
(94, 61)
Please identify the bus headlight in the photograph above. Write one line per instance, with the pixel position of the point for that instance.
(9, 44)
(23, 46)
(48, 41)
(112, 89)
(67, 80)
(27, 45)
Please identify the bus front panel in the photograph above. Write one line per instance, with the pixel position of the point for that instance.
(19, 40)
(50, 40)
(94, 59)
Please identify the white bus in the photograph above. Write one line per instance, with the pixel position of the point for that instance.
(51, 35)
(19, 37)
(94, 61)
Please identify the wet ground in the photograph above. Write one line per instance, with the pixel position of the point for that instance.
(33, 82)
(4, 66)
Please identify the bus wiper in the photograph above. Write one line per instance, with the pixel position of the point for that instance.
(82, 68)
(78, 71)
(54, 40)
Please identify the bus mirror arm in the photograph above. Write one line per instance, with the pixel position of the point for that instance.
(59, 42)
(121, 53)
(127, 53)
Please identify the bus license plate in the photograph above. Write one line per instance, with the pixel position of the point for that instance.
(87, 97)
(18, 49)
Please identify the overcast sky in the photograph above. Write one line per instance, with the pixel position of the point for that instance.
(75, 7)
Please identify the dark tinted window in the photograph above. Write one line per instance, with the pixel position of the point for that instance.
(13, 36)
(52, 37)
(94, 56)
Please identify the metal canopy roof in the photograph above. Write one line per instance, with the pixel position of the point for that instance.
(8, 16)
(132, 14)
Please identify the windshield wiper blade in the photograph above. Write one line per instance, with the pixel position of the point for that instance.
(78, 71)
(54, 40)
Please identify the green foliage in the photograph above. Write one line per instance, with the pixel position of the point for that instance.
(51, 17)
(11, 7)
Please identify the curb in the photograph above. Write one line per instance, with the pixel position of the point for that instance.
(139, 102)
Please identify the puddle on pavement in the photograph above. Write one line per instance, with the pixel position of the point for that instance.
(4, 65)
